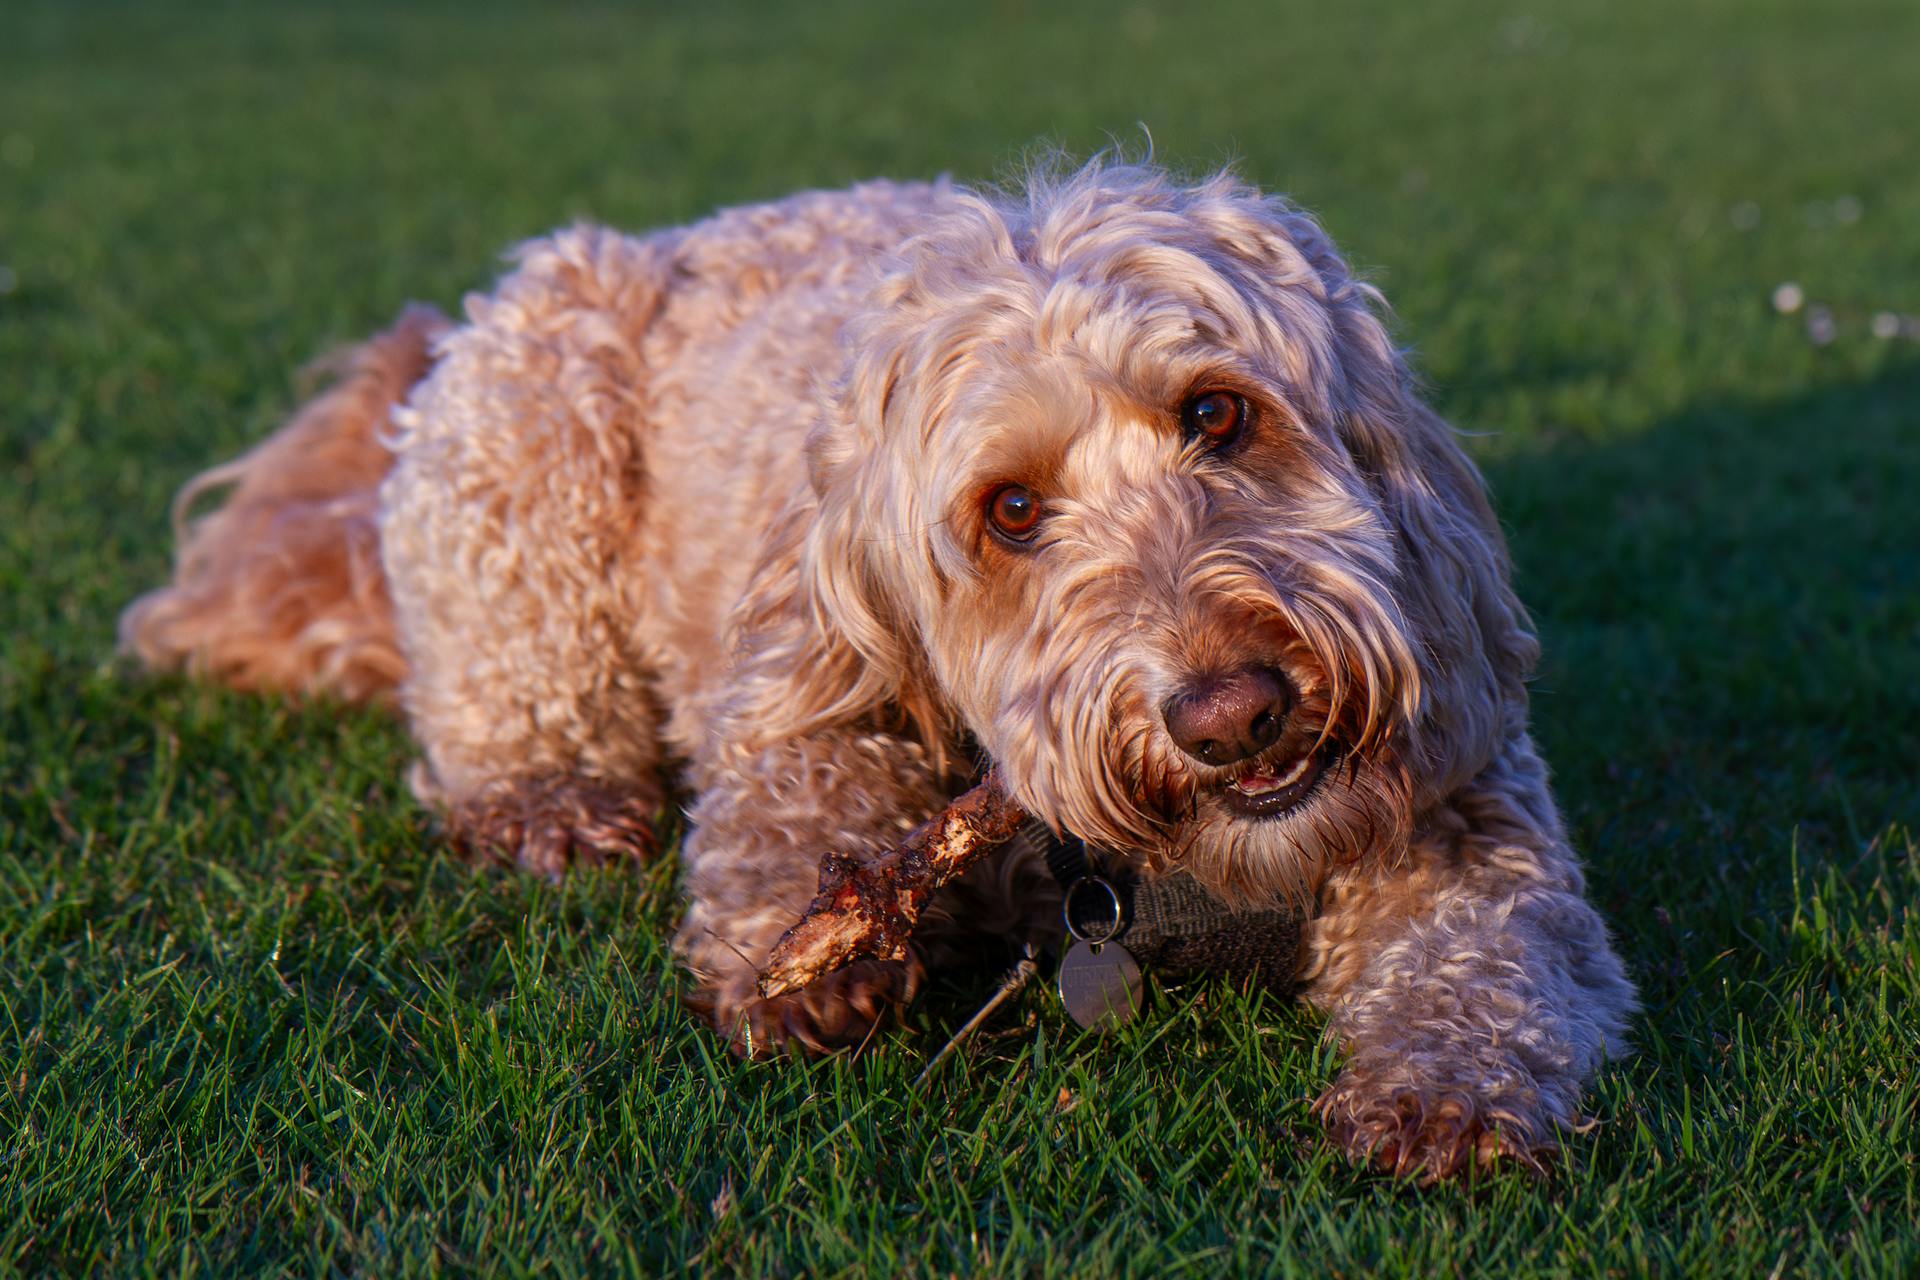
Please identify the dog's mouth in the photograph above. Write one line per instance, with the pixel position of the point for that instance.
(1268, 788)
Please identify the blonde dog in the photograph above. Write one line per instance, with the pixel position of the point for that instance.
(1116, 481)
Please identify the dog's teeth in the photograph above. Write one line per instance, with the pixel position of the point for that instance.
(1260, 782)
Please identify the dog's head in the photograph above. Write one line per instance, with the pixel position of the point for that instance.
(1126, 478)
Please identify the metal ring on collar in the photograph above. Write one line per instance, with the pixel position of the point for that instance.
(1112, 926)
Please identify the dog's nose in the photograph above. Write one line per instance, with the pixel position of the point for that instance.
(1220, 719)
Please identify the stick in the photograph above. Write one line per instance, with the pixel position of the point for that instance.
(869, 909)
(1017, 978)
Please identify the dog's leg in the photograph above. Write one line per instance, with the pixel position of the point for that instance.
(1472, 984)
(511, 532)
(763, 819)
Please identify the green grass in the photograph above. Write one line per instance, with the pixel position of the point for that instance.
(253, 1019)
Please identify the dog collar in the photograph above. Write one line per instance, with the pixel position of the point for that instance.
(1119, 922)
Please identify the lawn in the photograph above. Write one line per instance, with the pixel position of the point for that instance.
(254, 1018)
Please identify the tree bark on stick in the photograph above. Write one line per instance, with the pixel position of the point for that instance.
(868, 909)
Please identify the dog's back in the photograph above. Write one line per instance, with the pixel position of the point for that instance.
(282, 585)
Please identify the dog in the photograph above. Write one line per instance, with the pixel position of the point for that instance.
(803, 512)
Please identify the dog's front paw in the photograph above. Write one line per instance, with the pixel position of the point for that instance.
(545, 825)
(835, 1011)
(1434, 1132)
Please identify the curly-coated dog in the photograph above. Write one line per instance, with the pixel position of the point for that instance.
(1114, 480)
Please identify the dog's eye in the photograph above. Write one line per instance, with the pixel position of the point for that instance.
(1015, 512)
(1214, 416)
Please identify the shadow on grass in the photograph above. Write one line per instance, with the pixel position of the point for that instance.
(1730, 605)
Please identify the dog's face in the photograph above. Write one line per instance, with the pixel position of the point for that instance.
(1133, 476)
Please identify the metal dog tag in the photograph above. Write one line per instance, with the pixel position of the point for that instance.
(1099, 984)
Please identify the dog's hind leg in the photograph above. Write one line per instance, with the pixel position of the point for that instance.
(511, 530)
(280, 587)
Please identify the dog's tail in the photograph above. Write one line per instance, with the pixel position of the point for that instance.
(280, 586)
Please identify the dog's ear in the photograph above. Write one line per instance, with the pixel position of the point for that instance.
(817, 650)
(823, 645)
(1476, 644)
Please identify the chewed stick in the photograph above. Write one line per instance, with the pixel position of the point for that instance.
(868, 909)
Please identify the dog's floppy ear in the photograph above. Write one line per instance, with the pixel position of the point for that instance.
(823, 644)
(1475, 641)
(1477, 644)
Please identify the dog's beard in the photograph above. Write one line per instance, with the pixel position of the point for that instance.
(1334, 787)
(1353, 804)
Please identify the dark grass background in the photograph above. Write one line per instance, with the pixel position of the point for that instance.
(253, 1019)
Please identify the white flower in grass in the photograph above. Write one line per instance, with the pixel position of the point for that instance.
(1788, 298)
(1886, 324)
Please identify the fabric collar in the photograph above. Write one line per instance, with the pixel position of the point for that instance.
(1174, 925)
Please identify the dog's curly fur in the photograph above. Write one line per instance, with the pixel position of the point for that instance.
(706, 507)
